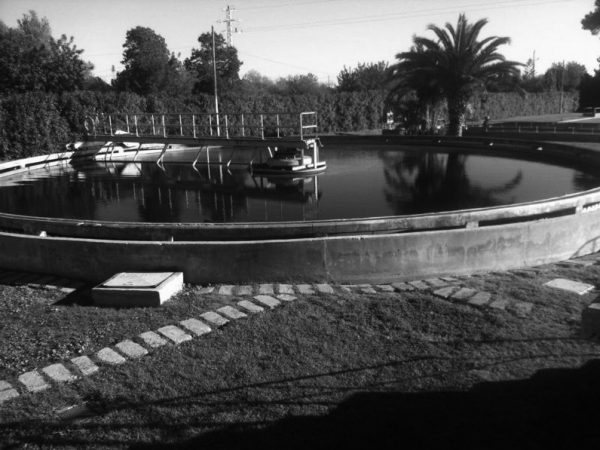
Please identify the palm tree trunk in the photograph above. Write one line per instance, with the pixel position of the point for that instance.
(457, 111)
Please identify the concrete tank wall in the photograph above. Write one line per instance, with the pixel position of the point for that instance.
(348, 259)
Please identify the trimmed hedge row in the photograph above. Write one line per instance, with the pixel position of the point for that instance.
(39, 123)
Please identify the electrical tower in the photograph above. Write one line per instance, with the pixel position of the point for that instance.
(229, 29)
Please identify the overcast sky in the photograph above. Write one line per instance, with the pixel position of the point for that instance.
(285, 37)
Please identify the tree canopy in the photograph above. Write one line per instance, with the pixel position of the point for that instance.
(200, 64)
(148, 64)
(32, 60)
(365, 77)
(591, 21)
(454, 65)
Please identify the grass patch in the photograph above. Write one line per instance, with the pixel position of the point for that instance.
(326, 370)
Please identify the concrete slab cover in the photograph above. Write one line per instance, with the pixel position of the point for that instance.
(152, 339)
(570, 286)
(251, 307)
(130, 293)
(131, 349)
(231, 312)
(33, 381)
(85, 365)
(214, 318)
(137, 279)
(109, 356)
(196, 326)
(267, 300)
(177, 335)
(59, 373)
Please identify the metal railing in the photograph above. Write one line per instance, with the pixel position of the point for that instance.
(197, 126)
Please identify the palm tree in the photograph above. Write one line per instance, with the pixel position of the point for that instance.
(453, 66)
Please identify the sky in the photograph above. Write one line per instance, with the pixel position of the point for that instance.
(283, 37)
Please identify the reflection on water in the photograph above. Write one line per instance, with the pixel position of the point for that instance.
(359, 182)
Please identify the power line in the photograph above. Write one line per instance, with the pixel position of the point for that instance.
(402, 15)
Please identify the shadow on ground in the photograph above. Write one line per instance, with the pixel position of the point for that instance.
(556, 408)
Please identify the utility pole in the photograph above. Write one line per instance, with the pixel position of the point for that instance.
(562, 86)
(214, 58)
(229, 30)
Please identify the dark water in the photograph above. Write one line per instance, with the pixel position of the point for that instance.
(366, 181)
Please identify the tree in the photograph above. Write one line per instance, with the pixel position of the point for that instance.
(364, 77)
(200, 64)
(32, 60)
(565, 77)
(147, 61)
(299, 85)
(591, 21)
(455, 65)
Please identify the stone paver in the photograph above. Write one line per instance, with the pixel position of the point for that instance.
(480, 299)
(385, 287)
(175, 334)
(368, 290)
(251, 307)
(33, 381)
(205, 290)
(285, 289)
(231, 312)
(403, 287)
(445, 292)
(225, 289)
(436, 282)
(570, 285)
(265, 289)
(7, 391)
(152, 339)
(85, 365)
(463, 294)
(500, 303)
(244, 290)
(324, 288)
(286, 297)
(522, 308)
(305, 289)
(450, 279)
(267, 300)
(196, 326)
(131, 349)
(59, 373)
(109, 356)
(419, 284)
(214, 318)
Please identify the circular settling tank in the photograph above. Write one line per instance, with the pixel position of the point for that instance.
(385, 209)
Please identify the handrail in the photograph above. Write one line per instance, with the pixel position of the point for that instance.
(198, 125)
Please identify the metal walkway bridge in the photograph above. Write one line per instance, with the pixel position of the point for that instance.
(206, 129)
